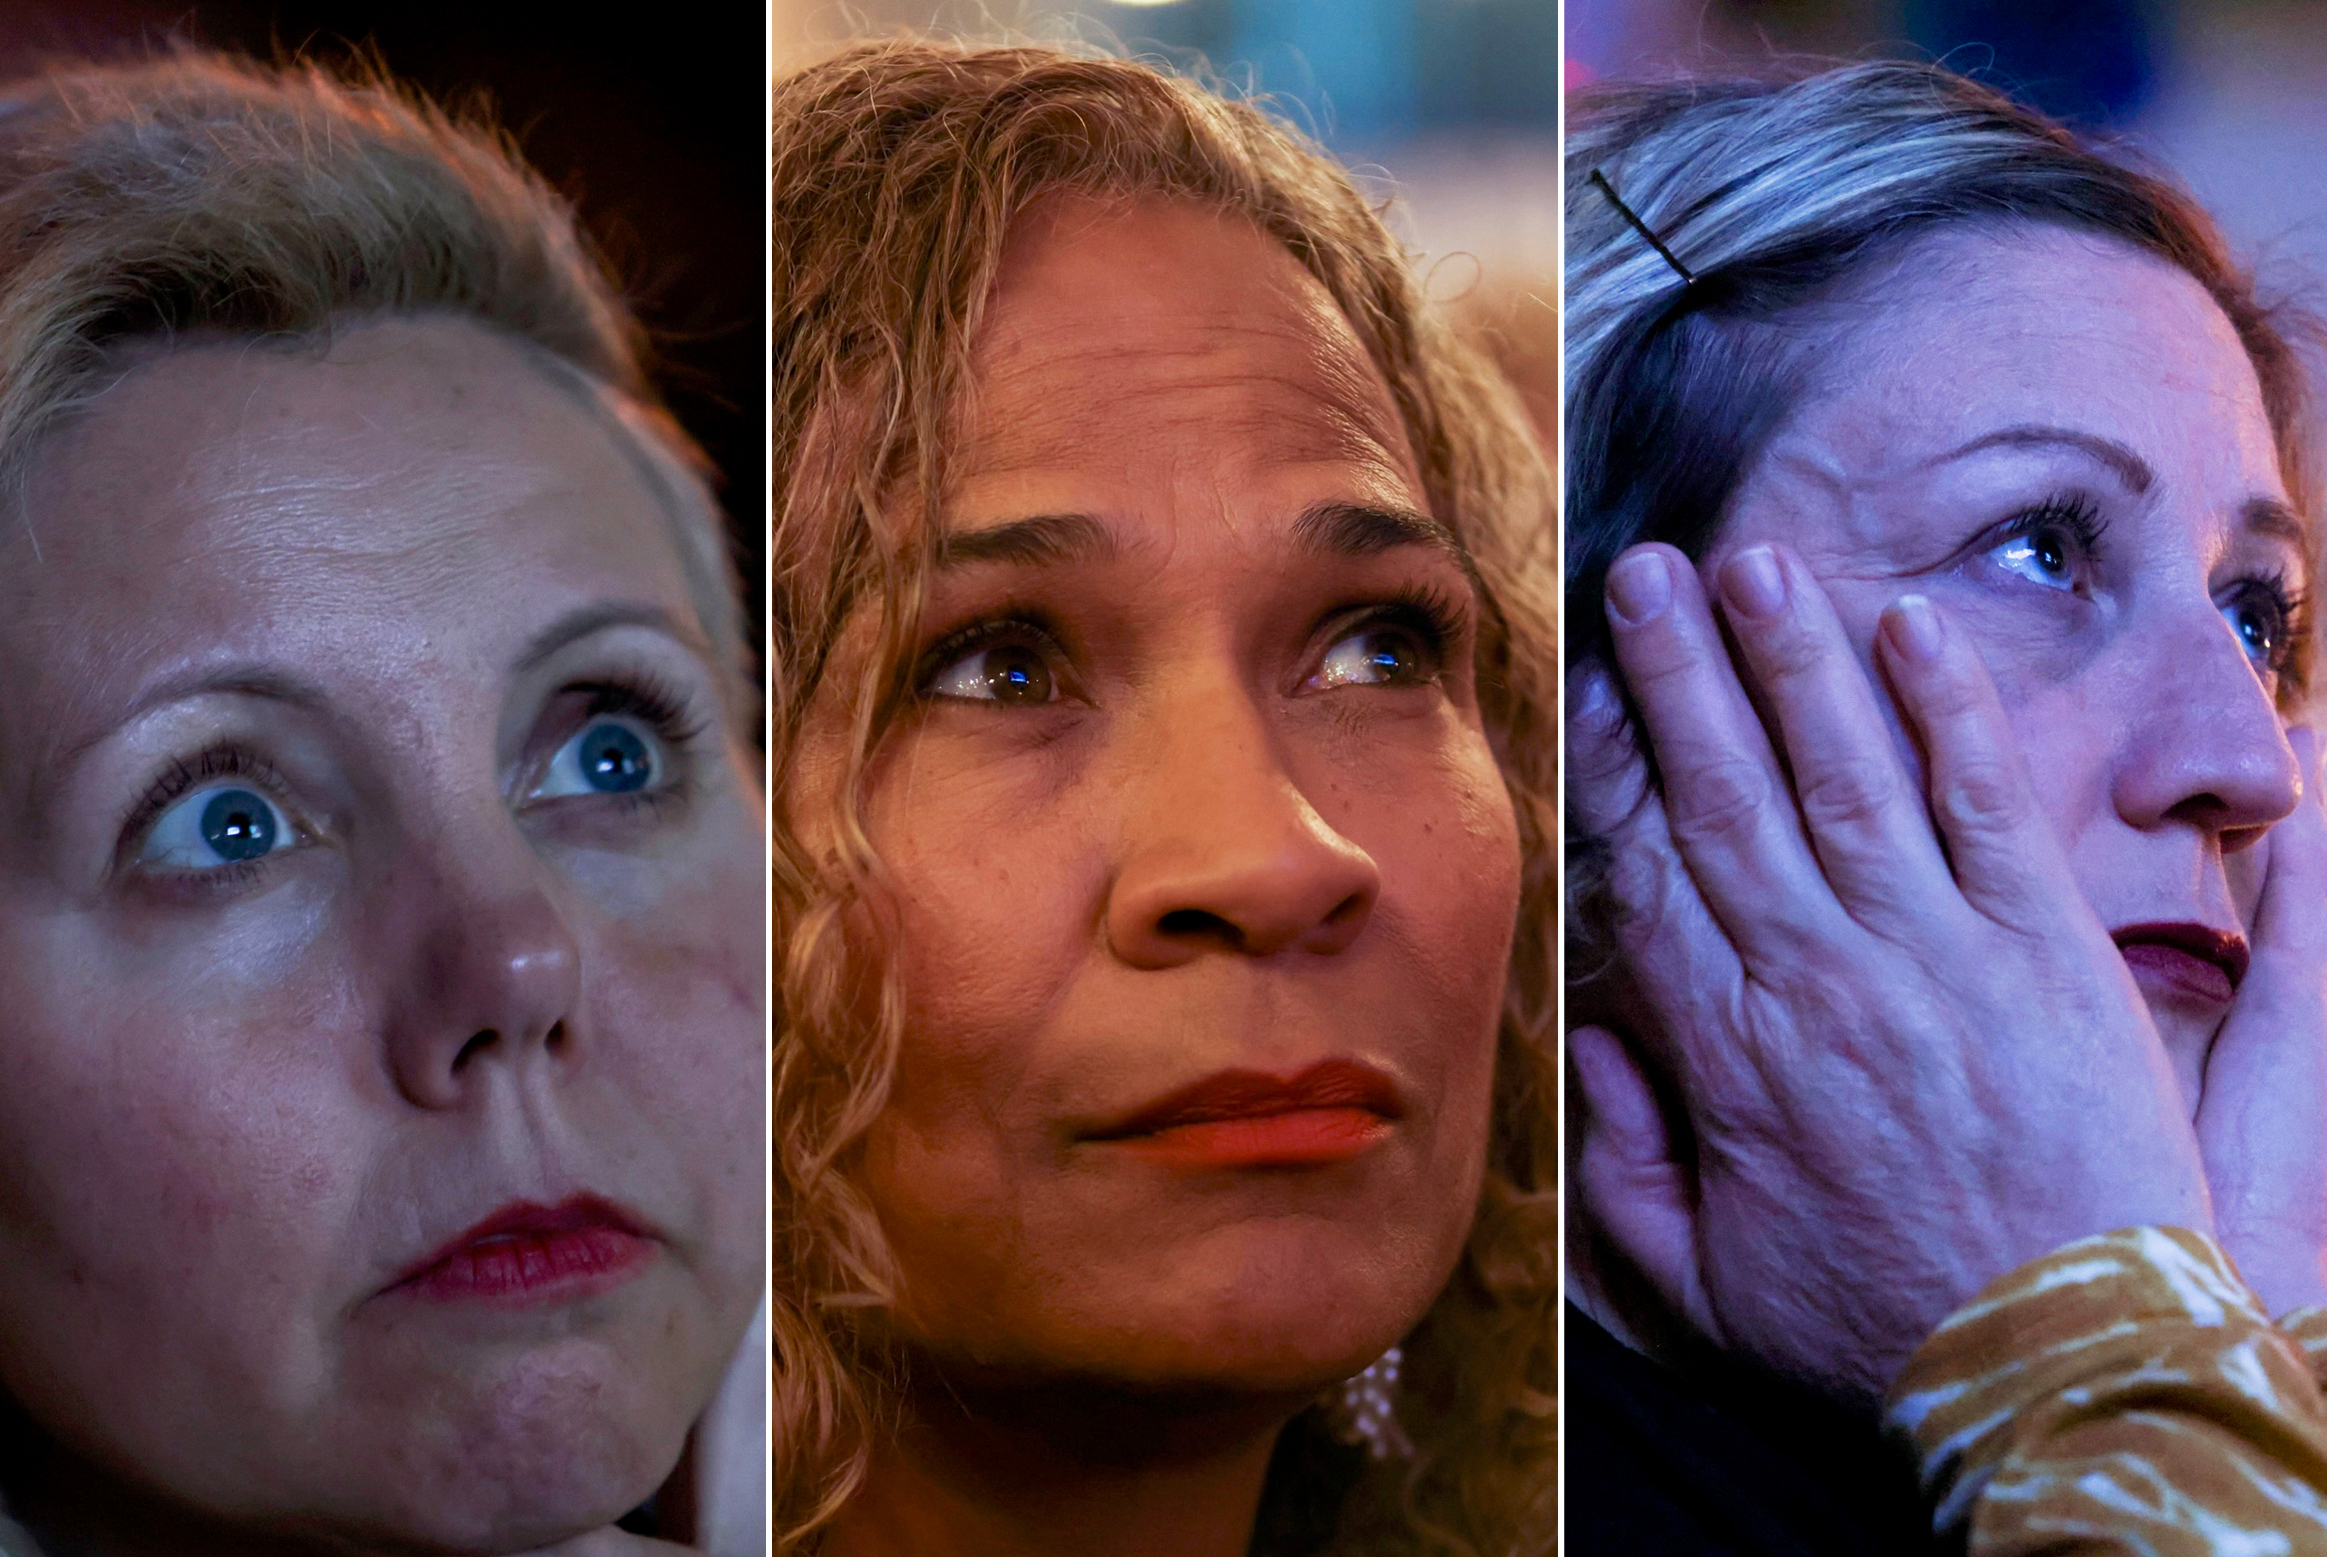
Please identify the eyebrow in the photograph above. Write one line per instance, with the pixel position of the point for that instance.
(2271, 517)
(2129, 467)
(582, 621)
(1333, 529)
(242, 678)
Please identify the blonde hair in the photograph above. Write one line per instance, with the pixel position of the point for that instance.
(899, 169)
(199, 193)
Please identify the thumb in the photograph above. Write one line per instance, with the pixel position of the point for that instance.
(1638, 1198)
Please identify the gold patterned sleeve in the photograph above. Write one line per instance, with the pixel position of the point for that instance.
(2123, 1394)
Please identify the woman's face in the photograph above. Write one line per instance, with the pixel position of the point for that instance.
(1207, 872)
(378, 862)
(2060, 440)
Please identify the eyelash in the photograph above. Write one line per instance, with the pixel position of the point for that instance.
(1428, 612)
(641, 694)
(2077, 515)
(662, 707)
(181, 778)
(2073, 512)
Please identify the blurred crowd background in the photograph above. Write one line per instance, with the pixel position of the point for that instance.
(1449, 106)
(2230, 95)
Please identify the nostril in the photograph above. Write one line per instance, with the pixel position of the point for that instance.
(555, 1039)
(1194, 924)
(481, 1039)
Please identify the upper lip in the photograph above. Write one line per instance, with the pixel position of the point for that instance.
(2226, 949)
(521, 1218)
(1253, 1094)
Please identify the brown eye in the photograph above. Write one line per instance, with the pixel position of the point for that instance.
(1007, 672)
(1379, 655)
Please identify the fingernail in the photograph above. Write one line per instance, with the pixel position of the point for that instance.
(1754, 582)
(1915, 628)
(1640, 586)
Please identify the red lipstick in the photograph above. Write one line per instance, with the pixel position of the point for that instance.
(2191, 960)
(525, 1253)
(1332, 1112)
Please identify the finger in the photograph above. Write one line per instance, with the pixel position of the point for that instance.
(2262, 1115)
(2006, 860)
(1865, 818)
(1725, 798)
(1638, 1198)
(2290, 926)
(1629, 883)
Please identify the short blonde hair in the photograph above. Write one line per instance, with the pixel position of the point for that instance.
(899, 170)
(199, 193)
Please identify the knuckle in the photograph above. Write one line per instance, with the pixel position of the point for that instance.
(1848, 791)
(1983, 796)
(1719, 798)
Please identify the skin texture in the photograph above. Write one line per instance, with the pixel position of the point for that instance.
(1207, 854)
(1907, 1072)
(241, 1105)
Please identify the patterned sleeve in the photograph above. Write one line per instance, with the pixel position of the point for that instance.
(2123, 1394)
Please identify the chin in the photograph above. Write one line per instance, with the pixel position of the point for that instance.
(1272, 1315)
(535, 1452)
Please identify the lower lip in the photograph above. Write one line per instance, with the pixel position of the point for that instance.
(1301, 1138)
(520, 1269)
(2172, 971)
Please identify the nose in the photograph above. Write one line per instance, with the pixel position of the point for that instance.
(1223, 851)
(490, 973)
(2206, 746)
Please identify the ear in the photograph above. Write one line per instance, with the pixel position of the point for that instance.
(1640, 1200)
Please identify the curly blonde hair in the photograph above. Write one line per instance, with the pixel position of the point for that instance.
(899, 168)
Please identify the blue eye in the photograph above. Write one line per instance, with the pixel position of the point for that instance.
(2045, 556)
(217, 826)
(610, 755)
(2259, 628)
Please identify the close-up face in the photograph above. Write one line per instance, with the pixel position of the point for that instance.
(2103, 514)
(381, 949)
(1206, 871)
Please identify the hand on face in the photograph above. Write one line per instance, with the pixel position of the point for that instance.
(2104, 522)
(2262, 1117)
(1907, 1071)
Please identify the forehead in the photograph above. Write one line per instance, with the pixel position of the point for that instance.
(1972, 330)
(424, 476)
(1153, 343)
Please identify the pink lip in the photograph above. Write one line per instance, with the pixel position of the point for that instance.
(525, 1254)
(2193, 960)
(1332, 1112)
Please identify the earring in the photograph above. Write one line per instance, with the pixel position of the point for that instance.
(1366, 1407)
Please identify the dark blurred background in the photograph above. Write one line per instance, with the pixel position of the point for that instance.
(650, 122)
(2230, 95)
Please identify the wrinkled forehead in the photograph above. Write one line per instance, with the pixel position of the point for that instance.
(1118, 330)
(1978, 327)
(227, 493)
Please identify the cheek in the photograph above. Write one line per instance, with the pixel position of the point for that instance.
(183, 1159)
